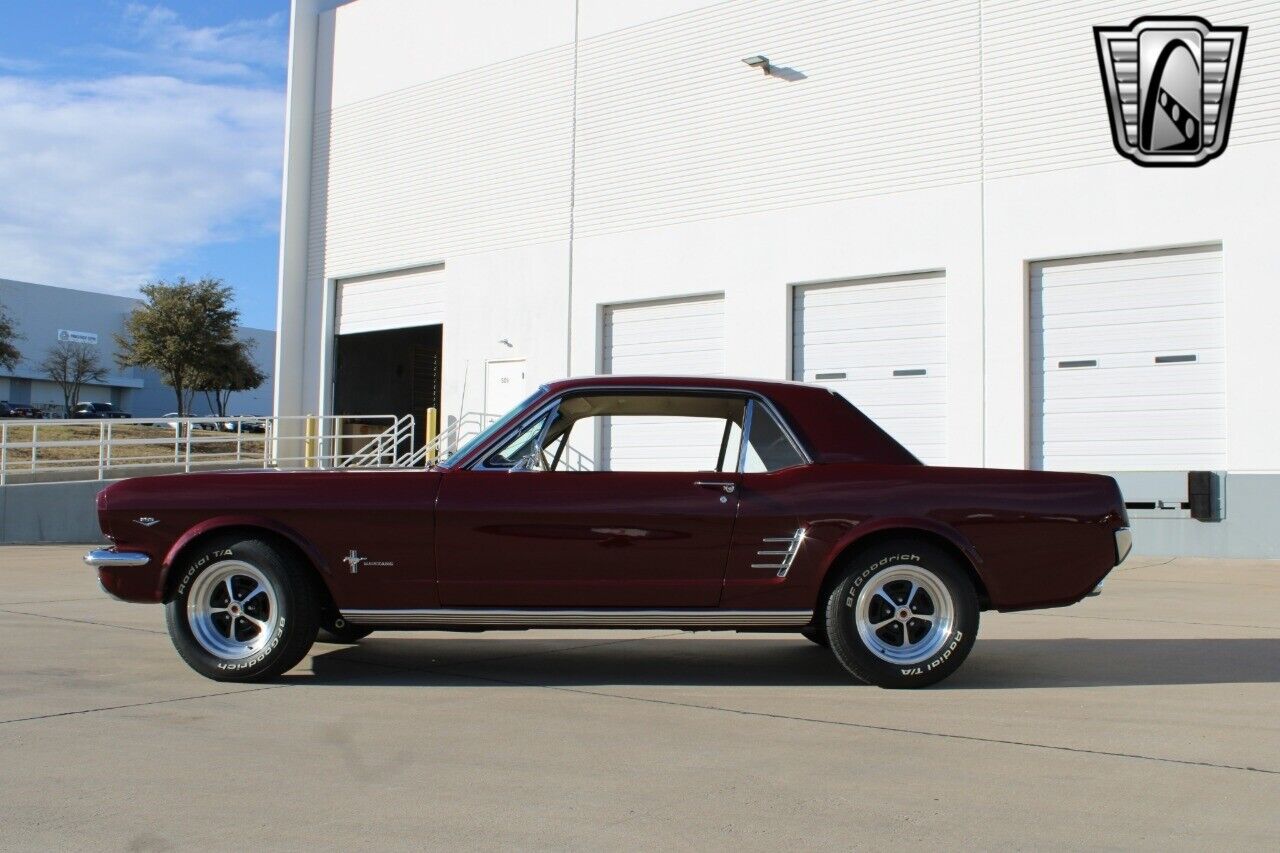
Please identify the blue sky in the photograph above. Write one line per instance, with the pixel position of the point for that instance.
(141, 141)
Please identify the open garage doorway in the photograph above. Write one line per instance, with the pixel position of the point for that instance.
(394, 372)
(390, 329)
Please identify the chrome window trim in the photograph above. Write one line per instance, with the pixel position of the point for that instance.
(483, 453)
(506, 617)
(744, 440)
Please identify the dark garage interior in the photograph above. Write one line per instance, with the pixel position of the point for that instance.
(395, 372)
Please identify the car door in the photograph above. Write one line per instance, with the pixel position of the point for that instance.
(573, 531)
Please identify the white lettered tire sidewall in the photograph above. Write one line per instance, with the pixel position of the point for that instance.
(294, 630)
(859, 572)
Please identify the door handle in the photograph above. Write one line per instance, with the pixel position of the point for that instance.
(727, 486)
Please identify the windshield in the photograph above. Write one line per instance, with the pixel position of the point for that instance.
(495, 427)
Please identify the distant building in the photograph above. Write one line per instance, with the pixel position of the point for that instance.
(44, 315)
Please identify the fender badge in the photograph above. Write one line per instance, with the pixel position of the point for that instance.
(354, 560)
(147, 521)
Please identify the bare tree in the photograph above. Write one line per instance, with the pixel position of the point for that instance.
(71, 365)
(9, 355)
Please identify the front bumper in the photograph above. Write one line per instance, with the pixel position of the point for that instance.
(111, 558)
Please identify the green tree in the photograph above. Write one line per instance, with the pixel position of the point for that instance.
(178, 331)
(70, 365)
(230, 368)
(9, 355)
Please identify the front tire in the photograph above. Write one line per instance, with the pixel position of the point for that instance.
(242, 611)
(904, 614)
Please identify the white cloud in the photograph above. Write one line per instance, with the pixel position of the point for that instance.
(106, 179)
(238, 49)
(102, 181)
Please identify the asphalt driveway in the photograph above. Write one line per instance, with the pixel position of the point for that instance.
(1144, 718)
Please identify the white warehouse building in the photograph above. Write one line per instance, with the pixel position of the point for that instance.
(917, 203)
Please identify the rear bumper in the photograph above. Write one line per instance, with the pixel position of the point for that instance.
(1124, 544)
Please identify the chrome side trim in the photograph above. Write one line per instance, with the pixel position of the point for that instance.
(788, 555)
(107, 557)
(584, 618)
(1124, 544)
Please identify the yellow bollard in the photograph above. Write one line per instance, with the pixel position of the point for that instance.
(433, 429)
(309, 446)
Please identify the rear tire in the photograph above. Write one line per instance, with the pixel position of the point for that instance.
(242, 611)
(904, 614)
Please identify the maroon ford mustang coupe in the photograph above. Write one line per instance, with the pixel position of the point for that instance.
(619, 502)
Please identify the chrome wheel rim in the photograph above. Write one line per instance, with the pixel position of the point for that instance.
(232, 610)
(904, 615)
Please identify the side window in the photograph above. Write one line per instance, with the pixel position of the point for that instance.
(768, 446)
(631, 431)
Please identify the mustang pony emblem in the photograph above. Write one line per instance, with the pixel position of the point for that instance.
(147, 521)
(354, 560)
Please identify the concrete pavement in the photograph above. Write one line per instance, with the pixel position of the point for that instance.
(1144, 718)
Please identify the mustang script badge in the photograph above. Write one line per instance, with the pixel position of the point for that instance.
(355, 561)
(1171, 84)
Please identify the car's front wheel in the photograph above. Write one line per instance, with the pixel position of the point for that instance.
(242, 611)
(904, 614)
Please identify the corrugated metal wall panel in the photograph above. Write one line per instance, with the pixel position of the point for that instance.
(853, 336)
(476, 160)
(871, 98)
(1100, 400)
(672, 127)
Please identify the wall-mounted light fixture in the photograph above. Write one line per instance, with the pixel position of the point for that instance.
(505, 342)
(759, 61)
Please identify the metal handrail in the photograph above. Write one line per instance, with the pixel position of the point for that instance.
(447, 442)
(32, 448)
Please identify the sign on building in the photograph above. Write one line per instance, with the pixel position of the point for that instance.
(74, 337)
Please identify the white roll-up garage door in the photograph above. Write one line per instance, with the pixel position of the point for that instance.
(397, 300)
(676, 336)
(1127, 362)
(882, 343)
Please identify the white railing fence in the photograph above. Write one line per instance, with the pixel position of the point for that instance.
(60, 450)
(455, 435)
(74, 449)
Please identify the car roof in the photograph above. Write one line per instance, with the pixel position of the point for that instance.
(831, 428)
(674, 381)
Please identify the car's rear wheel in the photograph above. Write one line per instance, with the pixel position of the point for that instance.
(242, 611)
(904, 614)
